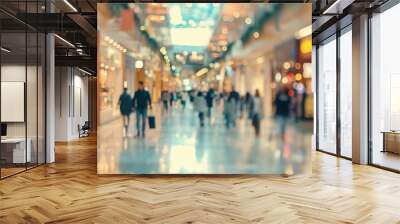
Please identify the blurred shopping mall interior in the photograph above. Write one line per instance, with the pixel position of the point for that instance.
(296, 98)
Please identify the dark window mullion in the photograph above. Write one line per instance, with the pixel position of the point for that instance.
(338, 94)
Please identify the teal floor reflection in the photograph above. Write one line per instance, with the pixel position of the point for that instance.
(180, 146)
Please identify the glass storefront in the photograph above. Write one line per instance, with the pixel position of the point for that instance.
(334, 89)
(385, 89)
(327, 96)
(22, 77)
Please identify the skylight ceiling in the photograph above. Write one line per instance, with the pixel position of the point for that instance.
(192, 24)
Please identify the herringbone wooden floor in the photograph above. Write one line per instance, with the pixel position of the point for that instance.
(69, 191)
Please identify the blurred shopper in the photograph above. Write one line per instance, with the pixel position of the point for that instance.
(282, 104)
(257, 111)
(125, 107)
(172, 99)
(191, 96)
(200, 105)
(184, 98)
(247, 103)
(300, 94)
(230, 110)
(210, 102)
(165, 97)
(141, 101)
(235, 95)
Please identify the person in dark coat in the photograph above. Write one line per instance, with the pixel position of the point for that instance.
(125, 107)
(210, 102)
(141, 101)
(257, 111)
(282, 105)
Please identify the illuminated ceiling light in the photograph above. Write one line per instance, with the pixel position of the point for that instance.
(107, 38)
(5, 50)
(202, 72)
(142, 28)
(303, 32)
(248, 20)
(199, 36)
(139, 64)
(102, 65)
(334, 8)
(84, 71)
(70, 5)
(65, 41)
(256, 35)
(236, 15)
(125, 50)
(260, 60)
(224, 48)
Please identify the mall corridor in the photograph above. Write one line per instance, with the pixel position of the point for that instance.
(180, 145)
(217, 112)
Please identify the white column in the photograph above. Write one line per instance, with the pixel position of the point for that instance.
(50, 99)
(360, 90)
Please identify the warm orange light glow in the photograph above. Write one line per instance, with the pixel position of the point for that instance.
(306, 45)
(298, 77)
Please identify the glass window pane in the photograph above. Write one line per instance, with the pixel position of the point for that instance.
(385, 86)
(346, 94)
(13, 86)
(327, 97)
(31, 97)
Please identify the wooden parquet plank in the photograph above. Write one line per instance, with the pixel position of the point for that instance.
(70, 191)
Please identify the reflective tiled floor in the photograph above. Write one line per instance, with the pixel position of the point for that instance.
(180, 146)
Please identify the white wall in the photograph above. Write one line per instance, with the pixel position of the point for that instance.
(71, 102)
